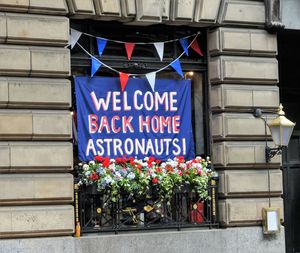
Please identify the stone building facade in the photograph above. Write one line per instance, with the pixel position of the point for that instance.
(36, 153)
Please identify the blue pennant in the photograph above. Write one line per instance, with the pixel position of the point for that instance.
(95, 66)
(101, 45)
(185, 45)
(176, 65)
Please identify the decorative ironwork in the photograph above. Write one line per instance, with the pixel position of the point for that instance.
(271, 152)
(98, 213)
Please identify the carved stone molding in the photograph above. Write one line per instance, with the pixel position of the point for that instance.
(273, 15)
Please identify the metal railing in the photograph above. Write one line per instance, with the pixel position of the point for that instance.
(98, 213)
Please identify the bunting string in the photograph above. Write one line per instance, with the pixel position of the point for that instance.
(137, 74)
(129, 46)
(141, 43)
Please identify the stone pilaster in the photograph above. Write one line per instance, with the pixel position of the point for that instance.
(243, 73)
(36, 153)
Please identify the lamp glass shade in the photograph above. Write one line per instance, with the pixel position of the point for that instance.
(281, 135)
(281, 129)
(275, 132)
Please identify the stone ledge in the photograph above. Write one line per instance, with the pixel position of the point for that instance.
(33, 220)
(241, 12)
(35, 93)
(234, 41)
(34, 61)
(83, 8)
(54, 7)
(227, 97)
(230, 240)
(146, 12)
(24, 189)
(35, 156)
(242, 154)
(206, 11)
(36, 29)
(182, 12)
(249, 183)
(35, 125)
(244, 211)
(240, 126)
(108, 10)
(243, 70)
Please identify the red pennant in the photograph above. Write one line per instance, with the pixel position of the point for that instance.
(196, 47)
(129, 49)
(123, 79)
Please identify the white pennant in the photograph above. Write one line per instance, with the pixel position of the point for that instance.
(160, 49)
(74, 37)
(151, 79)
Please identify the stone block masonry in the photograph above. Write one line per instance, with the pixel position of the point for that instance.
(241, 81)
(36, 153)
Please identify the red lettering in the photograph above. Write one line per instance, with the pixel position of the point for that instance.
(93, 126)
(126, 124)
(145, 123)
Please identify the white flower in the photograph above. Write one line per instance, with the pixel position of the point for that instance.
(153, 175)
(118, 176)
(91, 162)
(87, 173)
(107, 179)
(131, 175)
(85, 166)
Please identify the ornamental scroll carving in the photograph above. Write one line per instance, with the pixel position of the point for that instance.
(273, 15)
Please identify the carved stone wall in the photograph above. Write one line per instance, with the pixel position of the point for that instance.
(241, 81)
(36, 153)
(35, 97)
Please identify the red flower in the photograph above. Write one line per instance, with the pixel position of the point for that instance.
(169, 168)
(158, 170)
(154, 180)
(158, 161)
(180, 159)
(119, 160)
(131, 160)
(94, 176)
(106, 162)
(139, 166)
(98, 158)
(150, 161)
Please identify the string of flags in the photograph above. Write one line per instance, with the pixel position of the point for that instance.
(129, 47)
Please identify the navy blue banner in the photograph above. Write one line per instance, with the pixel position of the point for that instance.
(136, 122)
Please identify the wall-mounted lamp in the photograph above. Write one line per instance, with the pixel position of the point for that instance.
(271, 220)
(281, 130)
(189, 75)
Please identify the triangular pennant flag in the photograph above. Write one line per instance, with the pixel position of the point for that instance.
(151, 79)
(160, 49)
(74, 37)
(176, 65)
(185, 45)
(95, 66)
(101, 43)
(196, 47)
(123, 79)
(129, 49)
